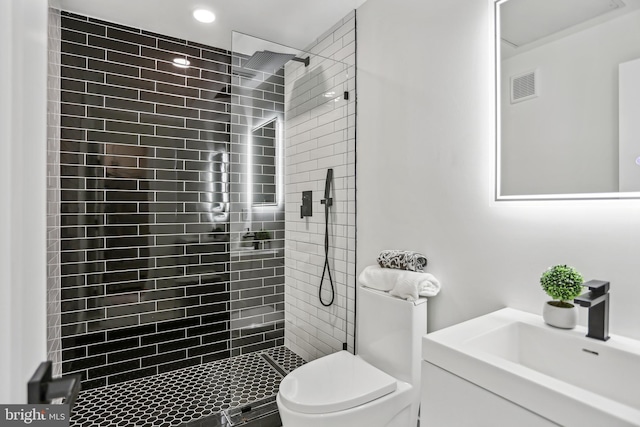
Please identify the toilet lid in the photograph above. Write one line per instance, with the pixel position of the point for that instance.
(334, 383)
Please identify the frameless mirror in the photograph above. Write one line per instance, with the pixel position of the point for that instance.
(568, 99)
(264, 167)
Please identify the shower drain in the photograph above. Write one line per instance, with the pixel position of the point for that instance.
(274, 364)
(262, 413)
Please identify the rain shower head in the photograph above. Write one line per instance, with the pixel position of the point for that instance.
(266, 60)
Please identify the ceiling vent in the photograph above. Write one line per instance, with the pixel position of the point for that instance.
(524, 86)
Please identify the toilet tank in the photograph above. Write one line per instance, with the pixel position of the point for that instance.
(389, 332)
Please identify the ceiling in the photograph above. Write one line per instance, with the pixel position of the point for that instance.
(525, 21)
(294, 23)
(526, 24)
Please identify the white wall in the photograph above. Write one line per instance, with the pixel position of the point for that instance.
(23, 85)
(320, 134)
(426, 170)
(566, 140)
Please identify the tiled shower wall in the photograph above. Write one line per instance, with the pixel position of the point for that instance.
(54, 350)
(147, 177)
(320, 134)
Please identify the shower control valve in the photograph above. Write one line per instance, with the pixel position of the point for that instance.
(307, 201)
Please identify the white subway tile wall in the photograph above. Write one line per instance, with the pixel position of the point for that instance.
(320, 134)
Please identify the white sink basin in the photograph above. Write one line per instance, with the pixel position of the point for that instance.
(559, 374)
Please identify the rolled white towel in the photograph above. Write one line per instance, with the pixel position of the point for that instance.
(405, 284)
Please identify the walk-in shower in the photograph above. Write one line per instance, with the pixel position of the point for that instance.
(182, 259)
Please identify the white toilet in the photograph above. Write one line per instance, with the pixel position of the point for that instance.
(379, 387)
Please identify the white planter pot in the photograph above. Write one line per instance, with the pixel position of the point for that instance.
(560, 317)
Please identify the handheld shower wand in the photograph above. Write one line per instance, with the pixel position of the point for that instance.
(327, 202)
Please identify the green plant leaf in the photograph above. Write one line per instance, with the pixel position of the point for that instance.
(562, 282)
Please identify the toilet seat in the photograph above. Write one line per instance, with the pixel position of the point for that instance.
(334, 383)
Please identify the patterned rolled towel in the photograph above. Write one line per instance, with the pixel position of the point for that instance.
(402, 260)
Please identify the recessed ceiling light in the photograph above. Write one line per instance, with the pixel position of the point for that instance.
(204, 15)
(181, 62)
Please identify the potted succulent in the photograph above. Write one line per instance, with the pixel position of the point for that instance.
(562, 283)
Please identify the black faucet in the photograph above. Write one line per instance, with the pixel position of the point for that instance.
(598, 303)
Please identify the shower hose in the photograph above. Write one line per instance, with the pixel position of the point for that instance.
(326, 269)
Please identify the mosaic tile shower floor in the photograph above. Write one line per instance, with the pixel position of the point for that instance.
(185, 396)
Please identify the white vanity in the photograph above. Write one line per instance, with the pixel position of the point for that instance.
(508, 368)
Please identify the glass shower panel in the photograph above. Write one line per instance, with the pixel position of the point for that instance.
(289, 125)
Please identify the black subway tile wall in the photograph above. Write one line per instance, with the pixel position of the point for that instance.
(150, 281)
